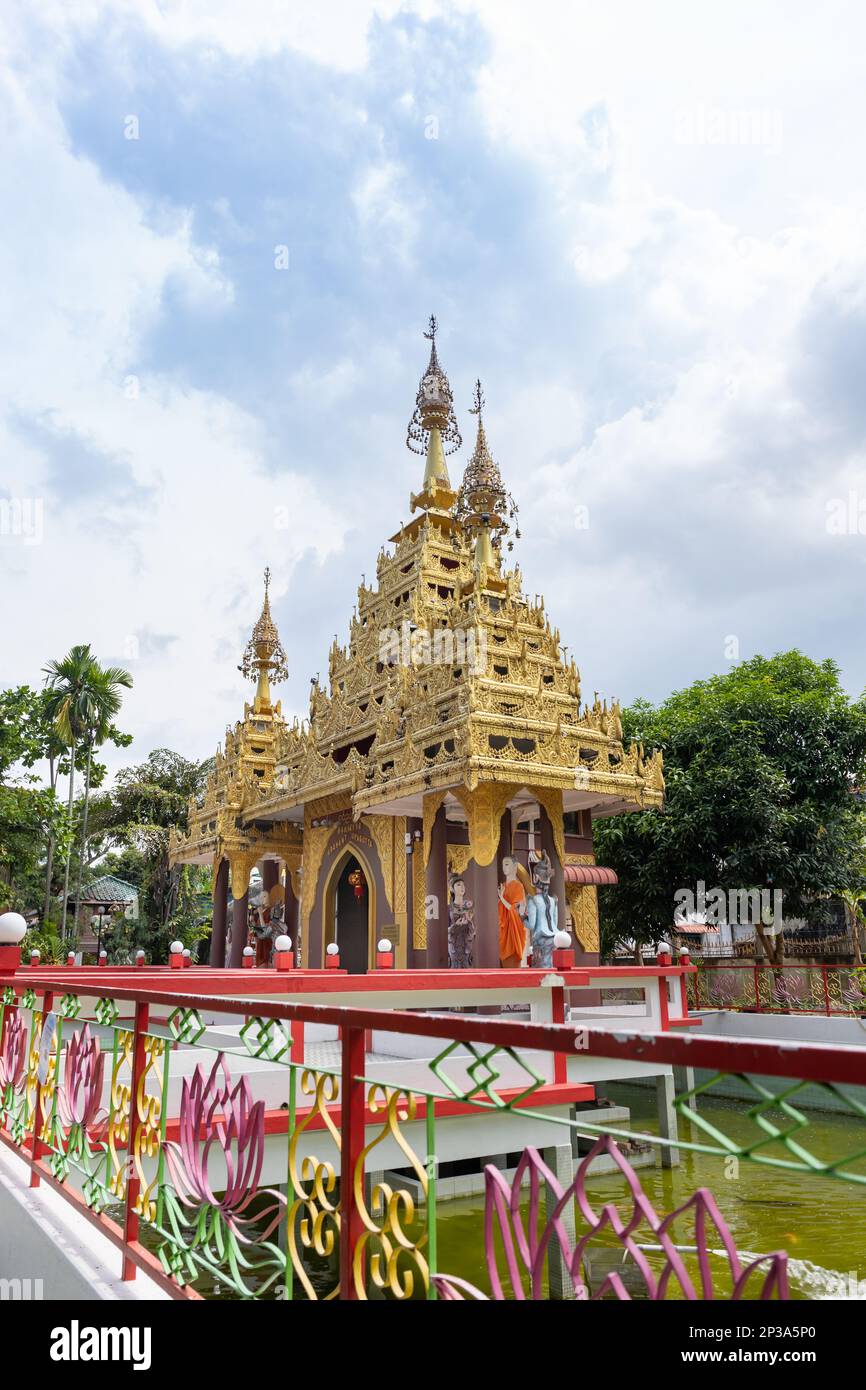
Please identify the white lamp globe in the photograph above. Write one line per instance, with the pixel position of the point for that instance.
(663, 948)
(12, 928)
(35, 954)
(562, 941)
(186, 951)
(283, 943)
(333, 949)
(385, 946)
(248, 951)
(139, 955)
(176, 948)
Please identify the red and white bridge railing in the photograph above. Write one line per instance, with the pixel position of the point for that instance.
(240, 1130)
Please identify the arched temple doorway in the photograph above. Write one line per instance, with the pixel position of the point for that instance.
(350, 914)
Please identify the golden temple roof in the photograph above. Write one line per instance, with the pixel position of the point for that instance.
(450, 678)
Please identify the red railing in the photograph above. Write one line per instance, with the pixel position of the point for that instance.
(45, 1145)
(831, 990)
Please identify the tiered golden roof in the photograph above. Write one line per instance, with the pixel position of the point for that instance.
(450, 680)
(244, 771)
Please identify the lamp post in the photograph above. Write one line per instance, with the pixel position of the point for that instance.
(97, 921)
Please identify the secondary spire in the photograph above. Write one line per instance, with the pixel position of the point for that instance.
(484, 506)
(264, 659)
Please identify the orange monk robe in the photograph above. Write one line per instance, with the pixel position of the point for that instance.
(512, 931)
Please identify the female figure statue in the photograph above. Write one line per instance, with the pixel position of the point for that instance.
(461, 927)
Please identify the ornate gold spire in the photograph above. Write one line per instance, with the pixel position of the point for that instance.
(433, 431)
(264, 658)
(483, 505)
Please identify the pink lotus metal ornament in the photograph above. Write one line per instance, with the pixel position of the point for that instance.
(221, 1149)
(13, 1055)
(78, 1099)
(526, 1245)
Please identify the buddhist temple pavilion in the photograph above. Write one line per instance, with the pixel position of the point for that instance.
(450, 737)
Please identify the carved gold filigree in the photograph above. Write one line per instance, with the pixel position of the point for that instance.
(582, 902)
(419, 904)
(484, 808)
(381, 830)
(552, 803)
(315, 843)
(431, 810)
(458, 858)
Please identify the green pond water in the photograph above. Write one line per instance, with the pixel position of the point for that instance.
(819, 1221)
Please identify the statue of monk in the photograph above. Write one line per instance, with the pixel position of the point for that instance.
(512, 910)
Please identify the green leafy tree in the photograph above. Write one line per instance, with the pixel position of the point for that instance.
(82, 701)
(131, 822)
(30, 816)
(761, 765)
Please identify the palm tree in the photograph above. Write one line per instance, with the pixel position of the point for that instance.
(54, 750)
(66, 680)
(101, 703)
(81, 701)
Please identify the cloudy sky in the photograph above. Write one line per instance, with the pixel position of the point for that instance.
(224, 227)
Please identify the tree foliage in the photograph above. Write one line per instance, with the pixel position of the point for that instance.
(132, 819)
(761, 769)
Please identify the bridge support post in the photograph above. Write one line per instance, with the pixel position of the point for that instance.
(665, 1092)
(560, 1162)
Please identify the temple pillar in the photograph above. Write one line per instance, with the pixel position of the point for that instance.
(486, 879)
(270, 875)
(239, 930)
(436, 887)
(292, 909)
(220, 915)
(548, 843)
(270, 870)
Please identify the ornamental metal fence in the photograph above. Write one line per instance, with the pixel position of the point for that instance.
(762, 988)
(226, 1154)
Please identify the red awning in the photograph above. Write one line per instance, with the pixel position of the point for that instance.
(694, 927)
(589, 873)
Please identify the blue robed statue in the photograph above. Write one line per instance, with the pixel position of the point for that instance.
(542, 913)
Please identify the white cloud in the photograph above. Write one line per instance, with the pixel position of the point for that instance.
(171, 515)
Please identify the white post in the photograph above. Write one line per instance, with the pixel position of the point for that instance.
(559, 1160)
(665, 1092)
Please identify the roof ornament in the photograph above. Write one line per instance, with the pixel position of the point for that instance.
(264, 658)
(483, 503)
(434, 405)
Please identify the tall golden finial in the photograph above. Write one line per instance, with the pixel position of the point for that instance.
(433, 429)
(483, 504)
(264, 659)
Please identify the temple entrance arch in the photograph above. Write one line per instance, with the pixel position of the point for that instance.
(350, 919)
